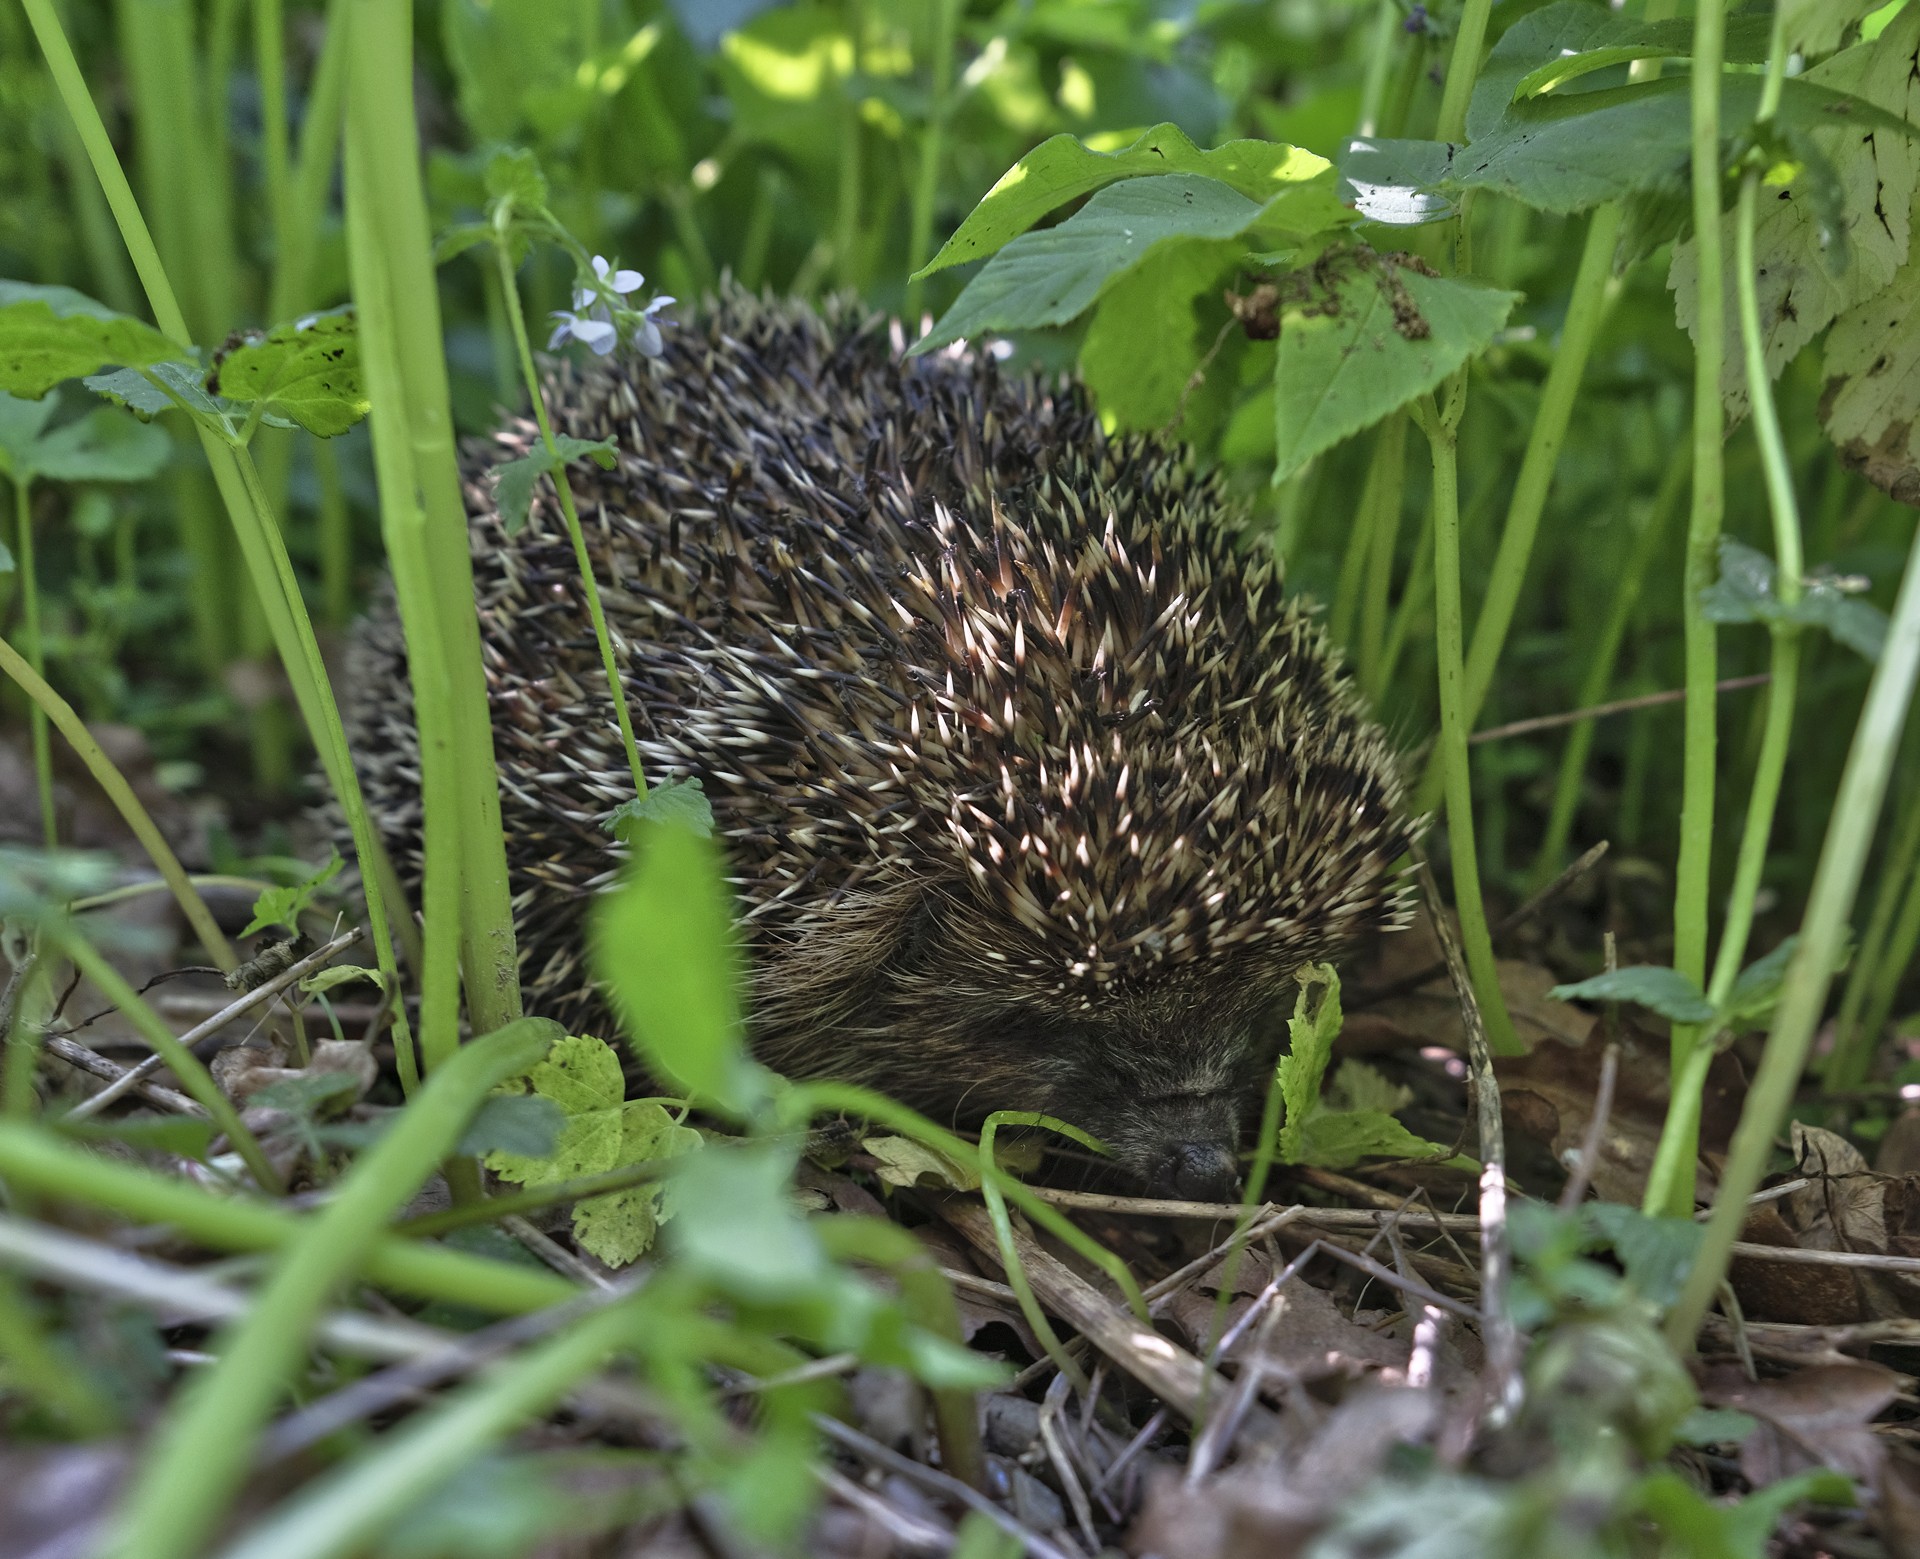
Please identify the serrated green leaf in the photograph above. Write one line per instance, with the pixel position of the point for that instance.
(1363, 338)
(513, 491)
(125, 387)
(1359, 1087)
(680, 803)
(664, 946)
(1655, 1253)
(513, 174)
(620, 1226)
(1834, 236)
(1665, 991)
(308, 371)
(103, 446)
(1816, 27)
(1337, 1139)
(1310, 1037)
(1053, 276)
(283, 906)
(49, 334)
(1062, 169)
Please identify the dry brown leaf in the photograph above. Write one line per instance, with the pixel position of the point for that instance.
(1818, 1417)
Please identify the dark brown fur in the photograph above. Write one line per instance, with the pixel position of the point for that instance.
(1036, 792)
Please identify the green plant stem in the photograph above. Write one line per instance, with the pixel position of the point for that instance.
(1373, 86)
(534, 1199)
(1823, 933)
(1362, 535)
(1599, 676)
(390, 251)
(199, 1458)
(927, 1298)
(1893, 928)
(1454, 762)
(846, 217)
(1377, 589)
(341, 1512)
(49, 705)
(36, 1159)
(182, 1062)
(270, 71)
(1693, 872)
(1463, 68)
(583, 561)
(1023, 1294)
(253, 523)
(28, 575)
(1901, 945)
(926, 183)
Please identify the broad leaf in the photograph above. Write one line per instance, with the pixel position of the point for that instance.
(1050, 277)
(682, 803)
(1338, 1139)
(600, 1129)
(146, 400)
(1061, 169)
(308, 371)
(1816, 27)
(1145, 339)
(1871, 406)
(20, 425)
(48, 334)
(103, 446)
(1361, 337)
(1397, 183)
(1746, 592)
(1837, 232)
(664, 946)
(513, 492)
(1656, 1253)
(1665, 991)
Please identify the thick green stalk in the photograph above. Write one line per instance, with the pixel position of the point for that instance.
(49, 705)
(253, 523)
(1373, 86)
(1463, 68)
(1823, 936)
(200, 1457)
(1599, 676)
(926, 184)
(1455, 768)
(1377, 591)
(1586, 307)
(846, 217)
(583, 561)
(270, 70)
(182, 1062)
(1693, 872)
(28, 575)
(341, 1512)
(391, 250)
(36, 1159)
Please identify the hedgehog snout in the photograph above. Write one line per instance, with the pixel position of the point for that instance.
(1199, 1172)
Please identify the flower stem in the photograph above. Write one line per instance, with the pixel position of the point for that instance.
(517, 324)
(36, 655)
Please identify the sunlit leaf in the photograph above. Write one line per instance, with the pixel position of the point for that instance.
(48, 334)
(1062, 169)
(307, 371)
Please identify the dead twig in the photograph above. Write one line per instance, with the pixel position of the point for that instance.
(257, 997)
(1574, 1192)
(1619, 706)
(94, 1064)
(1498, 1336)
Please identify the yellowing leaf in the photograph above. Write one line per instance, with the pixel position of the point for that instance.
(1800, 289)
(1872, 402)
(905, 1162)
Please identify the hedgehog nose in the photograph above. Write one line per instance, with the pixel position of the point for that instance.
(1203, 1172)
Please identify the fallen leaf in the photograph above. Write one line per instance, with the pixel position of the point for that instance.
(1818, 1417)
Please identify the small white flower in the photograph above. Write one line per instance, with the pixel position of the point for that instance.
(621, 282)
(595, 331)
(646, 334)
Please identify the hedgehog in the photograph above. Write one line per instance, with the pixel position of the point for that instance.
(1036, 791)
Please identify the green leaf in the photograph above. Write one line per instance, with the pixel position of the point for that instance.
(182, 1136)
(905, 1162)
(1363, 335)
(308, 1094)
(308, 371)
(680, 803)
(1144, 342)
(599, 1129)
(1816, 27)
(1337, 1139)
(459, 238)
(1665, 991)
(1757, 989)
(341, 974)
(513, 174)
(735, 1224)
(1655, 1253)
(523, 1125)
(1310, 1037)
(1715, 1426)
(1397, 183)
(1706, 1528)
(283, 906)
(1050, 277)
(1061, 169)
(1835, 234)
(1745, 593)
(20, 425)
(125, 387)
(48, 334)
(103, 446)
(513, 492)
(663, 945)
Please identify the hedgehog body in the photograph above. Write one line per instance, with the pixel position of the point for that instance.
(1035, 791)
